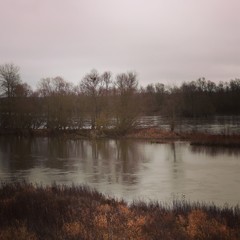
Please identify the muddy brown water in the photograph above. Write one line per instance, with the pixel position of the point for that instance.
(129, 169)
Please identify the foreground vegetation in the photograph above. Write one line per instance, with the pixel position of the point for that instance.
(60, 212)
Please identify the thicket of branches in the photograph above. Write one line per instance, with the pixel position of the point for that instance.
(107, 103)
(196, 98)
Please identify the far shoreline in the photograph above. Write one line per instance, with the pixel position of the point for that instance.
(151, 134)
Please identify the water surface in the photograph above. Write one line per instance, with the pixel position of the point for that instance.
(127, 169)
(212, 124)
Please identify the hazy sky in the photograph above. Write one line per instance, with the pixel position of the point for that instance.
(167, 41)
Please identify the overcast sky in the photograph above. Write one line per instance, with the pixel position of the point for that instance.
(168, 41)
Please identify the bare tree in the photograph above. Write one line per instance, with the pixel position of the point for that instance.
(91, 86)
(9, 79)
(44, 87)
(23, 90)
(58, 102)
(61, 87)
(126, 82)
(91, 83)
(106, 81)
(127, 107)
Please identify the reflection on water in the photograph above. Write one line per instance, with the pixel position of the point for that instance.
(216, 151)
(109, 161)
(126, 168)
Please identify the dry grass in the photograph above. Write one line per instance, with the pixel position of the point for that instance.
(153, 133)
(196, 138)
(60, 212)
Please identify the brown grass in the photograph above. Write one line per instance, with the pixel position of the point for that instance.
(155, 135)
(60, 212)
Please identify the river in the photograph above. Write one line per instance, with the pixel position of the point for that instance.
(128, 169)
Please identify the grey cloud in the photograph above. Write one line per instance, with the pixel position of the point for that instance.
(166, 41)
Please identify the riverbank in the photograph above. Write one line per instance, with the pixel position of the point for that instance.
(78, 212)
(155, 135)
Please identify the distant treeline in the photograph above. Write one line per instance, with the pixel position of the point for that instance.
(109, 104)
(196, 98)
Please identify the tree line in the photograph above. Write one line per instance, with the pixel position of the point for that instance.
(107, 103)
(101, 101)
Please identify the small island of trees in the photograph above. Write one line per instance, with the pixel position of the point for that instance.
(107, 104)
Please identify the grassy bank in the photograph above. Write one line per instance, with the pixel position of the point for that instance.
(59, 212)
(196, 138)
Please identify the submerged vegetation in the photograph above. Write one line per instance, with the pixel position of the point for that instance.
(107, 105)
(78, 212)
